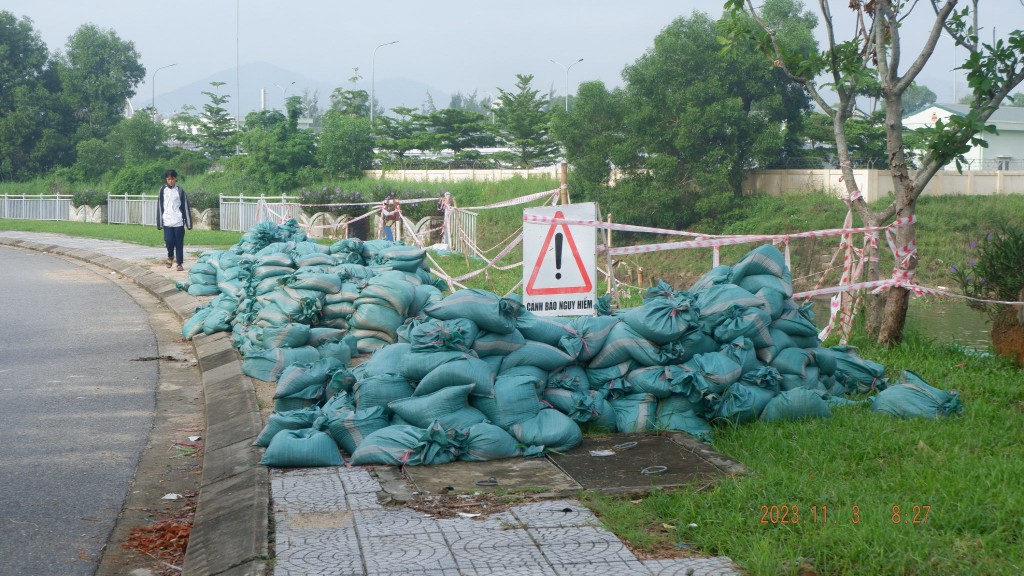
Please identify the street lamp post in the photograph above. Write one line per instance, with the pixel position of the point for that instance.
(152, 83)
(284, 94)
(567, 68)
(373, 62)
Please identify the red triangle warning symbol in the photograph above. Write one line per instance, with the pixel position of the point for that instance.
(549, 276)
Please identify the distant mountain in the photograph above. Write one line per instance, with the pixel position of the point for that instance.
(389, 92)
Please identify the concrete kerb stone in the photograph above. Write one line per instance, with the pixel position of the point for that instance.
(231, 524)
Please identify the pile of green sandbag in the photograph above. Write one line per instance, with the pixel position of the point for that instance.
(475, 376)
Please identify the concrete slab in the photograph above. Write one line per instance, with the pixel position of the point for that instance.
(638, 462)
(511, 475)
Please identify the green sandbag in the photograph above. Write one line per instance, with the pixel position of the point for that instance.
(661, 381)
(582, 406)
(514, 400)
(739, 403)
(291, 334)
(416, 365)
(635, 412)
(350, 428)
(550, 429)
(194, 325)
(482, 442)
(717, 299)
(391, 289)
(538, 376)
(267, 365)
(863, 375)
(796, 404)
(763, 377)
(405, 445)
(765, 259)
(492, 344)
(573, 377)
(300, 377)
(489, 311)
(381, 389)
(384, 360)
(538, 354)
(458, 373)
(624, 344)
(449, 406)
(677, 413)
(546, 329)
(433, 335)
(717, 369)
(291, 420)
(744, 322)
(302, 448)
(915, 398)
(592, 332)
(664, 317)
(303, 279)
(337, 349)
(742, 351)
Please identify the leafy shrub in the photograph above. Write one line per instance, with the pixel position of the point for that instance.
(993, 270)
(89, 197)
(138, 179)
(201, 199)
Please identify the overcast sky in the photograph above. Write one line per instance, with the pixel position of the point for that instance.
(453, 46)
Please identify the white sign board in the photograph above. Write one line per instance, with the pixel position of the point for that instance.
(559, 260)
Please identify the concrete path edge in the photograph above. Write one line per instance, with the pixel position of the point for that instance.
(231, 526)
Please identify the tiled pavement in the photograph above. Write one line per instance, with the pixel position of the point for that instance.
(328, 521)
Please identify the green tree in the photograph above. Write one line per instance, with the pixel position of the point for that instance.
(215, 128)
(99, 72)
(275, 149)
(405, 131)
(873, 56)
(34, 120)
(524, 123)
(594, 138)
(139, 139)
(345, 145)
(457, 129)
(917, 98)
(692, 121)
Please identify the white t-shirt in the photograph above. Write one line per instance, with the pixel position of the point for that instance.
(172, 208)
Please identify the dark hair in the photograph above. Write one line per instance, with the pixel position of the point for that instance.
(170, 173)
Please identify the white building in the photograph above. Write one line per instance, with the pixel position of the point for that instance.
(1005, 149)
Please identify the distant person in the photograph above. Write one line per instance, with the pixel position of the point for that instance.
(173, 216)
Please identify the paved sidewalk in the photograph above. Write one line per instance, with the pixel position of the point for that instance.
(329, 521)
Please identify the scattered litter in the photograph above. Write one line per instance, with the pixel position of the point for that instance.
(625, 446)
(691, 525)
(602, 453)
(194, 438)
(653, 469)
(492, 481)
(468, 515)
(171, 496)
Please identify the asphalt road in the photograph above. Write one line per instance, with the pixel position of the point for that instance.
(76, 405)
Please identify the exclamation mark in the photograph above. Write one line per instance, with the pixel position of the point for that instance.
(558, 255)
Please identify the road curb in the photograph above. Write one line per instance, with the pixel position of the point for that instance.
(230, 530)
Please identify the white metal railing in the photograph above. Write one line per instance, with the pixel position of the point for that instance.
(239, 213)
(36, 207)
(131, 209)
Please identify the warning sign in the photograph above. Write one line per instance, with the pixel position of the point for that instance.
(559, 260)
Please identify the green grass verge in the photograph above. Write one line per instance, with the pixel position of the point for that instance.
(134, 234)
